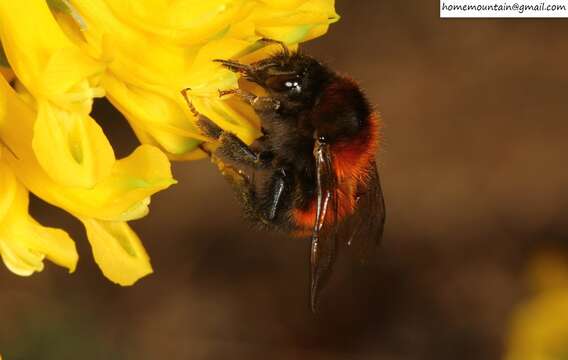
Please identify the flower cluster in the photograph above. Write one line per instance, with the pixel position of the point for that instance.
(57, 56)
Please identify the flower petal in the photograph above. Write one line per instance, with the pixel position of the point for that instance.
(160, 116)
(117, 250)
(71, 147)
(131, 53)
(284, 4)
(44, 59)
(63, 81)
(293, 21)
(132, 179)
(232, 115)
(185, 22)
(23, 242)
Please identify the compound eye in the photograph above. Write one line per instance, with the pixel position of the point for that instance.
(284, 83)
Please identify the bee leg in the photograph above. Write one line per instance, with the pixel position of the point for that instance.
(188, 102)
(259, 103)
(274, 193)
(236, 66)
(243, 186)
(209, 128)
(249, 71)
(231, 148)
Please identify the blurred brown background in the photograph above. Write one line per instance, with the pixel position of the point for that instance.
(475, 177)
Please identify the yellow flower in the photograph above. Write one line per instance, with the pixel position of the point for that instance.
(62, 81)
(62, 54)
(121, 196)
(153, 49)
(23, 242)
(52, 147)
(539, 329)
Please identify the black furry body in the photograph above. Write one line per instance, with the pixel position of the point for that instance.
(313, 166)
(328, 104)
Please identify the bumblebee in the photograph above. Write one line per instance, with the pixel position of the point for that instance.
(317, 153)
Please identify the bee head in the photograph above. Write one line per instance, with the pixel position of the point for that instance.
(292, 78)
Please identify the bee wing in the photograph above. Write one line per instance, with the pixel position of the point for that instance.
(324, 234)
(364, 228)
